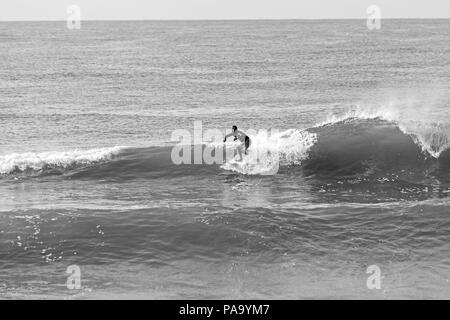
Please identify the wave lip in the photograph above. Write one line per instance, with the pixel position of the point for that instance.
(42, 161)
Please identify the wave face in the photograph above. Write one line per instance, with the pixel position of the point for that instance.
(347, 146)
(374, 160)
(432, 137)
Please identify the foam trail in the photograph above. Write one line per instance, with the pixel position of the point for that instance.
(30, 161)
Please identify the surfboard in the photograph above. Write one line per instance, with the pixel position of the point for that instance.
(248, 165)
(236, 163)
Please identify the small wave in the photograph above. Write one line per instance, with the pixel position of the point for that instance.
(43, 161)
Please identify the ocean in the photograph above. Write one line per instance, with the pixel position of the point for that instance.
(353, 177)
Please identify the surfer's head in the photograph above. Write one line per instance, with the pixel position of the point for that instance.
(234, 128)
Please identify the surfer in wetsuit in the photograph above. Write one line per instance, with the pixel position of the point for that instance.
(242, 137)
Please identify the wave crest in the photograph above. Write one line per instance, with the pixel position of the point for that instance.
(43, 161)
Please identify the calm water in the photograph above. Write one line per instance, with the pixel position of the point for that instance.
(363, 177)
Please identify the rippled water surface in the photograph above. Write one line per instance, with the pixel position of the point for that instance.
(361, 177)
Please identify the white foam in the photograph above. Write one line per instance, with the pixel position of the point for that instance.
(386, 113)
(433, 138)
(269, 150)
(19, 162)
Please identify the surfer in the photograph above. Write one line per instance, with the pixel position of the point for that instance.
(242, 137)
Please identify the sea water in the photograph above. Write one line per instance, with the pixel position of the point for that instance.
(358, 176)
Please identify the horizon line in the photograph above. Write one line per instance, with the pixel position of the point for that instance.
(212, 20)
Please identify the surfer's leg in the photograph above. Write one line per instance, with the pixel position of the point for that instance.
(240, 152)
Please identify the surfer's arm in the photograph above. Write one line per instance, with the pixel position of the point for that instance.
(227, 136)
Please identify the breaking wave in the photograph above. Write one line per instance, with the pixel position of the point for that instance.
(355, 146)
(349, 143)
(432, 137)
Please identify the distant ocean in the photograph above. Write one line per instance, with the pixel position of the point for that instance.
(363, 177)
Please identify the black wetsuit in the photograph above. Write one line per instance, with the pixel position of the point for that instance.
(247, 143)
